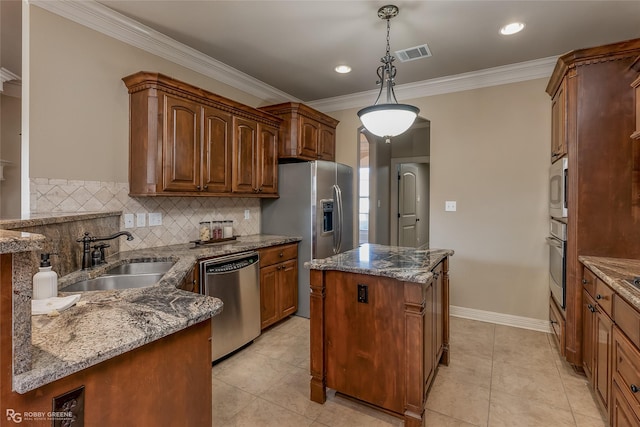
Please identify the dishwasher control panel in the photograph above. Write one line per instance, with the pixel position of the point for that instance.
(215, 266)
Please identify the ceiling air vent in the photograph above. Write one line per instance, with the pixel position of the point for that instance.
(413, 53)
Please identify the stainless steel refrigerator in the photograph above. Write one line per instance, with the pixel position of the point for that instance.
(316, 203)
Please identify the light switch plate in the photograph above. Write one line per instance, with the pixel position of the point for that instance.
(141, 219)
(450, 206)
(128, 221)
(155, 218)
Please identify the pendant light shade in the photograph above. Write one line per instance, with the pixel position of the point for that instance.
(387, 120)
(390, 118)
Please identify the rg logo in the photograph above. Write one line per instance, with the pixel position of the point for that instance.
(14, 416)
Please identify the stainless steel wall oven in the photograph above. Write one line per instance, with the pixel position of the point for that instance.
(557, 242)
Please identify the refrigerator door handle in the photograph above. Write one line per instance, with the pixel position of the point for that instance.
(337, 235)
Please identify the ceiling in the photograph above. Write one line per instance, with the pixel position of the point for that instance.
(295, 45)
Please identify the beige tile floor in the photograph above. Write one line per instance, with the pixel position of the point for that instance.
(498, 376)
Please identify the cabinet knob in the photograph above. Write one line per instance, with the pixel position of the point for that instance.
(585, 281)
(591, 308)
(197, 187)
(206, 186)
(553, 322)
(634, 388)
(598, 296)
(260, 190)
(281, 254)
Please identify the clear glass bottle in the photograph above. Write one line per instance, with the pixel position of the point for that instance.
(205, 231)
(227, 230)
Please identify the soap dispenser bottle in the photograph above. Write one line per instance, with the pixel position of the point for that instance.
(45, 281)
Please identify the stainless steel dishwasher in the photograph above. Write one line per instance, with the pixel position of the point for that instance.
(235, 279)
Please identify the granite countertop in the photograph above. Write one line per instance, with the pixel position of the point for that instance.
(405, 264)
(614, 271)
(105, 324)
(17, 241)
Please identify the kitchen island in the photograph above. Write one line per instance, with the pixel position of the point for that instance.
(380, 326)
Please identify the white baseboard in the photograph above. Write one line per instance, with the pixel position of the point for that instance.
(501, 319)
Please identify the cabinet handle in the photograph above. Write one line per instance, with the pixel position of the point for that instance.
(585, 281)
(634, 388)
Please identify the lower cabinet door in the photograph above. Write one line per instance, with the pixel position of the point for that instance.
(288, 287)
(621, 413)
(268, 295)
(603, 346)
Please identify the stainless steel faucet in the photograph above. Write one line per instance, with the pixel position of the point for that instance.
(87, 239)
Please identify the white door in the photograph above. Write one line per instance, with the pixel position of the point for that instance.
(407, 205)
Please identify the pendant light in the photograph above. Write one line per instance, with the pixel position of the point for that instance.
(387, 119)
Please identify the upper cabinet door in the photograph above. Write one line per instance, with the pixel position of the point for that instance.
(244, 152)
(181, 145)
(267, 160)
(308, 140)
(559, 123)
(327, 143)
(217, 151)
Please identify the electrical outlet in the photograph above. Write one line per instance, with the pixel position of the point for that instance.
(68, 408)
(247, 214)
(450, 206)
(155, 218)
(363, 293)
(128, 220)
(141, 219)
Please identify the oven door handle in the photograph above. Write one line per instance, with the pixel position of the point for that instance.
(551, 241)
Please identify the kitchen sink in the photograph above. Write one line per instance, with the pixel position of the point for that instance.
(115, 281)
(150, 267)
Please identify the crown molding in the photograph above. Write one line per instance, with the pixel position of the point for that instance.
(113, 24)
(513, 73)
(5, 76)
(100, 18)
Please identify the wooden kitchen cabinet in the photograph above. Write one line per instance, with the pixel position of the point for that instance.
(626, 375)
(636, 93)
(374, 338)
(621, 413)
(305, 134)
(593, 114)
(278, 283)
(255, 154)
(559, 122)
(597, 327)
(611, 354)
(186, 141)
(588, 335)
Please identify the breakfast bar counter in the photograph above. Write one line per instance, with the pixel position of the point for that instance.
(380, 326)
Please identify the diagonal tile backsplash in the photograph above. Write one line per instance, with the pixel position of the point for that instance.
(180, 215)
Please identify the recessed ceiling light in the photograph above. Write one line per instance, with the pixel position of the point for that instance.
(342, 69)
(514, 27)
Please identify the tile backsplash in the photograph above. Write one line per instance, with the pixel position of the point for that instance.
(180, 215)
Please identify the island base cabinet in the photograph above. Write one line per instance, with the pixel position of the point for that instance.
(374, 338)
(158, 384)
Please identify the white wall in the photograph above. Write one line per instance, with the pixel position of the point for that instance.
(490, 153)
